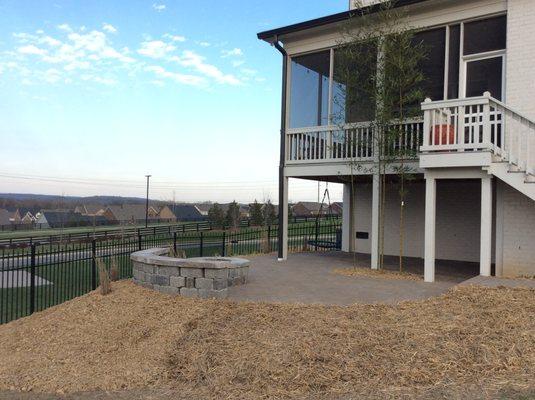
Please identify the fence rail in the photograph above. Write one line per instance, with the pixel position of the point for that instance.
(126, 231)
(39, 275)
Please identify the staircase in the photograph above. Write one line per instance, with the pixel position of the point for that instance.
(480, 132)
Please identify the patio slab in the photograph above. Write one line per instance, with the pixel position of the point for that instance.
(309, 278)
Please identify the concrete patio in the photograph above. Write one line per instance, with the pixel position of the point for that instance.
(309, 278)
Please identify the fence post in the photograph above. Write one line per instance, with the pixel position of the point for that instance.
(138, 239)
(223, 249)
(174, 242)
(93, 264)
(316, 238)
(269, 239)
(32, 277)
(201, 245)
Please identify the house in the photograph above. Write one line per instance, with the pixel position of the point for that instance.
(166, 214)
(28, 215)
(204, 208)
(130, 213)
(67, 218)
(188, 213)
(473, 194)
(337, 208)
(5, 217)
(90, 209)
(308, 209)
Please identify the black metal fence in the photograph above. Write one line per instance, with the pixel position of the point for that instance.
(125, 230)
(38, 275)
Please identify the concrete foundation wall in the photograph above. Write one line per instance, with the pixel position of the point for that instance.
(458, 220)
(518, 233)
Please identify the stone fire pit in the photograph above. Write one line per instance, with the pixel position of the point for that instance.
(205, 277)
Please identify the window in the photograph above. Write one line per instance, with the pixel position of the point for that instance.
(309, 90)
(485, 35)
(354, 70)
(453, 62)
(432, 67)
(484, 75)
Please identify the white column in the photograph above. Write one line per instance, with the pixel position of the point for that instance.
(375, 221)
(284, 226)
(347, 219)
(486, 226)
(499, 228)
(430, 228)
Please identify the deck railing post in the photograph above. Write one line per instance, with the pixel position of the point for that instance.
(201, 243)
(223, 249)
(174, 242)
(138, 239)
(486, 122)
(32, 277)
(93, 264)
(427, 124)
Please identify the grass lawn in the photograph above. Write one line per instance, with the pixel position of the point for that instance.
(469, 343)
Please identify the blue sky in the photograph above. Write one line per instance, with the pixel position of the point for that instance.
(95, 94)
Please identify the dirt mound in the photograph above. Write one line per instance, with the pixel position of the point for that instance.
(135, 338)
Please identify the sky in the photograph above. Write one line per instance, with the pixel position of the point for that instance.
(96, 94)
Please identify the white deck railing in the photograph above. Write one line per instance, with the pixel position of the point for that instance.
(350, 143)
(479, 124)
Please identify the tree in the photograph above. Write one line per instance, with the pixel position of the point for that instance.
(378, 78)
(216, 215)
(233, 215)
(257, 217)
(269, 213)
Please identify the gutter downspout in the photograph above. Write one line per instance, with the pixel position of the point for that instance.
(282, 212)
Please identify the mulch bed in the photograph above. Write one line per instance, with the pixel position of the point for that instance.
(379, 274)
(137, 339)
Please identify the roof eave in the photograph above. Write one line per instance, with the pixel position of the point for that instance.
(272, 35)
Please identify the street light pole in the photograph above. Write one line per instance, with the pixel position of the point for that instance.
(147, 203)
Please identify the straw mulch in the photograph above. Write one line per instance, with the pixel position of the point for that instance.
(380, 274)
(134, 338)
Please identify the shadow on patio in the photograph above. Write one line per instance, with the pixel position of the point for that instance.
(309, 278)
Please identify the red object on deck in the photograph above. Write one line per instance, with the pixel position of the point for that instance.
(444, 134)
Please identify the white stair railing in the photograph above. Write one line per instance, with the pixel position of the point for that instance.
(479, 124)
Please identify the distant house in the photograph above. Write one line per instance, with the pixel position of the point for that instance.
(28, 215)
(130, 213)
(188, 213)
(203, 208)
(5, 217)
(308, 209)
(90, 209)
(66, 219)
(165, 213)
(337, 207)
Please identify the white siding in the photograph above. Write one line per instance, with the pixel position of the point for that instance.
(521, 56)
(458, 220)
(518, 233)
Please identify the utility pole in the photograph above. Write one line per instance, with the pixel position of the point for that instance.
(147, 203)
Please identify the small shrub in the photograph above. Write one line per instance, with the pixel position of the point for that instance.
(104, 277)
(114, 270)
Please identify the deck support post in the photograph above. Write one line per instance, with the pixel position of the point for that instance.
(375, 221)
(430, 227)
(486, 226)
(347, 219)
(283, 220)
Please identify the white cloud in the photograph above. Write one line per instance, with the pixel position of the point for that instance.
(177, 77)
(158, 7)
(235, 52)
(174, 38)
(155, 49)
(50, 41)
(109, 28)
(249, 71)
(64, 27)
(237, 63)
(204, 44)
(193, 60)
(31, 49)
(52, 75)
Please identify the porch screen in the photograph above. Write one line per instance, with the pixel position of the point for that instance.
(309, 90)
(433, 64)
(354, 73)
